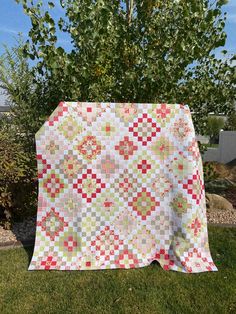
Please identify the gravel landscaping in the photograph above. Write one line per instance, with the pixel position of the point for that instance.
(21, 231)
(222, 217)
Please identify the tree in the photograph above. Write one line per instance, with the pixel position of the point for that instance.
(214, 125)
(230, 124)
(136, 51)
(25, 96)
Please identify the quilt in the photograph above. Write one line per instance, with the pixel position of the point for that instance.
(120, 186)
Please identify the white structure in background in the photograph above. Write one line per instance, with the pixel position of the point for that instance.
(4, 110)
(226, 151)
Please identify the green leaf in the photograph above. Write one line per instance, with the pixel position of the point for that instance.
(51, 5)
(221, 42)
(222, 2)
(32, 56)
(60, 50)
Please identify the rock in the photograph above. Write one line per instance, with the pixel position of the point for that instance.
(216, 202)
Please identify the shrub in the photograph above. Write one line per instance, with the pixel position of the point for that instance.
(209, 171)
(18, 183)
(17, 180)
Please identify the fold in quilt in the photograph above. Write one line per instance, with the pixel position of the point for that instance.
(120, 185)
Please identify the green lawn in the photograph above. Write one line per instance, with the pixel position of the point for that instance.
(145, 290)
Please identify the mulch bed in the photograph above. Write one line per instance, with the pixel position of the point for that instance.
(230, 195)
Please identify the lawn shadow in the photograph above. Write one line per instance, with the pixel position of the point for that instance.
(155, 262)
(25, 233)
(29, 249)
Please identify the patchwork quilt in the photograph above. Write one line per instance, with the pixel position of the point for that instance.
(120, 185)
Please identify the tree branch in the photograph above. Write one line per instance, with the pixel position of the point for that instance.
(129, 8)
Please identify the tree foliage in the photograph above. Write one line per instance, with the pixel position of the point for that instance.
(135, 51)
(26, 95)
(214, 125)
(231, 122)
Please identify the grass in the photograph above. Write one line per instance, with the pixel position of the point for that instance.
(212, 145)
(144, 290)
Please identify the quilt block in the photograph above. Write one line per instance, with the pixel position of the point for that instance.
(120, 185)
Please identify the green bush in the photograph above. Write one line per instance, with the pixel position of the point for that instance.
(17, 180)
(18, 183)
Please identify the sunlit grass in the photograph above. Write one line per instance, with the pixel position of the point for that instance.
(145, 290)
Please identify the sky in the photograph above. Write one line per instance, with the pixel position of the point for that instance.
(13, 20)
